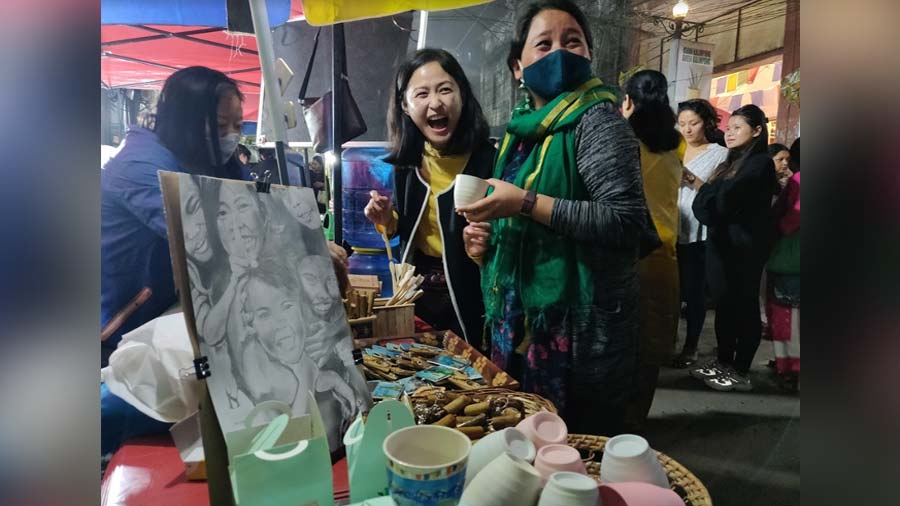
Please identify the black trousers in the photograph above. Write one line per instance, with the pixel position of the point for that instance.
(692, 273)
(738, 328)
(435, 306)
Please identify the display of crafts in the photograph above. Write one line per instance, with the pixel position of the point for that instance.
(406, 367)
(359, 304)
(472, 413)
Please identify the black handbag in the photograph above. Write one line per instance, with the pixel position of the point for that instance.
(317, 111)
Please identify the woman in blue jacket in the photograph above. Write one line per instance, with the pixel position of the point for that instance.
(196, 130)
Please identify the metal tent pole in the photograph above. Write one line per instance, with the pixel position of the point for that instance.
(272, 94)
(423, 29)
(339, 63)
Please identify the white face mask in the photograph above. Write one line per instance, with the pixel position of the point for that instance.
(227, 145)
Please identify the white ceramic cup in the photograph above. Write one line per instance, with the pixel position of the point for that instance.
(544, 428)
(426, 464)
(506, 480)
(468, 190)
(555, 458)
(627, 458)
(569, 489)
(488, 448)
(637, 494)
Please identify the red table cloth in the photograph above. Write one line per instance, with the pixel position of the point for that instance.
(148, 471)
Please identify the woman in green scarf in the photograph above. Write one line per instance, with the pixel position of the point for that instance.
(559, 236)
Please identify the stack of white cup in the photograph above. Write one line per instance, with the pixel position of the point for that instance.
(628, 458)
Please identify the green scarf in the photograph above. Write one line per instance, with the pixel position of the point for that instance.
(539, 266)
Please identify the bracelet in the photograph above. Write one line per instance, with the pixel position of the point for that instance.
(528, 202)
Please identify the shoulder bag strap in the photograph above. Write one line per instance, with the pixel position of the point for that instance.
(312, 58)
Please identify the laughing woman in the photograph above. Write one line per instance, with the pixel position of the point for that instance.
(437, 131)
(567, 216)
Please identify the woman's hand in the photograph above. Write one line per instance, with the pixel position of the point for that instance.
(690, 180)
(503, 202)
(341, 265)
(379, 210)
(476, 236)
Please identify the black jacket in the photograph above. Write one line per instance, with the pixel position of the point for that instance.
(463, 275)
(737, 213)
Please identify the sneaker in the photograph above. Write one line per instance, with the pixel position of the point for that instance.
(684, 360)
(709, 370)
(730, 380)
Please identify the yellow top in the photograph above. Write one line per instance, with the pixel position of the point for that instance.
(662, 177)
(438, 171)
(681, 149)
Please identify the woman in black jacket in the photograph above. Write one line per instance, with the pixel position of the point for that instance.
(735, 204)
(437, 131)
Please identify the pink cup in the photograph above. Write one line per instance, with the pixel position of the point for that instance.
(637, 494)
(554, 458)
(544, 428)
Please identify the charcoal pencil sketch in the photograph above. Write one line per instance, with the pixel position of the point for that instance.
(266, 303)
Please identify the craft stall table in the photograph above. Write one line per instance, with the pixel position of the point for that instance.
(148, 471)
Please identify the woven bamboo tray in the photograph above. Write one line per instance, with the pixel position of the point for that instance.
(532, 402)
(682, 481)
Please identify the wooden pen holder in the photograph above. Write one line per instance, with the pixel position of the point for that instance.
(393, 321)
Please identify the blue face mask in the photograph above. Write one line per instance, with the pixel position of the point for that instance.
(558, 72)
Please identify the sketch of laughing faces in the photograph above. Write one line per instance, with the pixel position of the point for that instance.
(302, 207)
(196, 238)
(240, 224)
(275, 318)
(320, 285)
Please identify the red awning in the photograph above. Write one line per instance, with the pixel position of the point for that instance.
(144, 56)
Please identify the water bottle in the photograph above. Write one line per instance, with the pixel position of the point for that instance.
(363, 170)
(372, 262)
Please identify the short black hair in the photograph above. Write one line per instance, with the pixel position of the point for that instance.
(266, 153)
(532, 9)
(188, 109)
(243, 150)
(653, 121)
(776, 148)
(406, 142)
(708, 115)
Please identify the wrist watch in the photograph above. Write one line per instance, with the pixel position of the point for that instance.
(528, 202)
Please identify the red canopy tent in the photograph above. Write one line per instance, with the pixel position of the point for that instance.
(143, 56)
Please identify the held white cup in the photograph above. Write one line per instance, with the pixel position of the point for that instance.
(468, 190)
(628, 458)
(488, 448)
(506, 480)
(569, 489)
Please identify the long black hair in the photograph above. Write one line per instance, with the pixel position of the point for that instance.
(526, 16)
(710, 117)
(653, 121)
(406, 142)
(186, 120)
(755, 117)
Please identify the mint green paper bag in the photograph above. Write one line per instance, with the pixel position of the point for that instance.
(297, 471)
